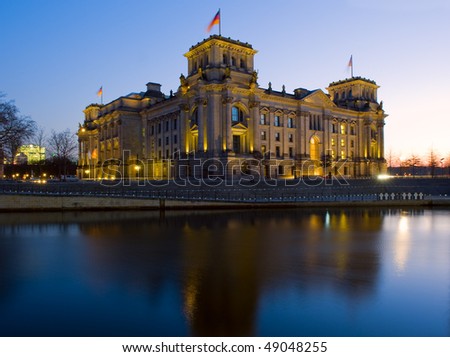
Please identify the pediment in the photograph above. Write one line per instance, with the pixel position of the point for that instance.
(319, 98)
(239, 126)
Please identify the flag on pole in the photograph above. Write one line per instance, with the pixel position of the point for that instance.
(100, 92)
(215, 21)
(350, 64)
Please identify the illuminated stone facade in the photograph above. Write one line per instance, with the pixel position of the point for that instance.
(220, 122)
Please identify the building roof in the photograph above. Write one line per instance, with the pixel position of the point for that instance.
(348, 80)
(226, 39)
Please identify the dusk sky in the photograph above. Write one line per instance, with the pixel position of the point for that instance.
(57, 54)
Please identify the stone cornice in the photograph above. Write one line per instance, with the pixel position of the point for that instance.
(222, 42)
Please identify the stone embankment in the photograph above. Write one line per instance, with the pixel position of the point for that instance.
(172, 196)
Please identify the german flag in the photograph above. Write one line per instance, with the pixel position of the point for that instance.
(215, 21)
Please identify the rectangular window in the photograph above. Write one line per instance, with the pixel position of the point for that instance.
(159, 142)
(352, 144)
(159, 128)
(332, 142)
(352, 130)
(277, 136)
(343, 129)
(277, 120)
(175, 124)
(291, 153)
(167, 153)
(153, 130)
(175, 139)
(262, 119)
(343, 155)
(167, 140)
(167, 125)
(277, 151)
(263, 135)
(263, 149)
(290, 123)
(342, 142)
(291, 138)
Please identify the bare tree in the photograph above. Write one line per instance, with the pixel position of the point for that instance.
(413, 161)
(39, 140)
(63, 146)
(15, 129)
(433, 161)
(393, 160)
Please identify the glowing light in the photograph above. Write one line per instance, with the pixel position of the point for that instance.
(384, 177)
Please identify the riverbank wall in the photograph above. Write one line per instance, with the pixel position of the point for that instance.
(35, 203)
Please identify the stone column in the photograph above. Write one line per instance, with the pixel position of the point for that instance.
(200, 124)
(228, 133)
(215, 145)
(183, 129)
(380, 139)
(284, 135)
(254, 132)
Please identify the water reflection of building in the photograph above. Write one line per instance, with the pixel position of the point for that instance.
(224, 263)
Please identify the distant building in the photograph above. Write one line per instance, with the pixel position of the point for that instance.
(221, 122)
(29, 154)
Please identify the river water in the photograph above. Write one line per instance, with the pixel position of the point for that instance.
(343, 272)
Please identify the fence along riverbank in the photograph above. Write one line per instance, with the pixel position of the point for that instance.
(171, 195)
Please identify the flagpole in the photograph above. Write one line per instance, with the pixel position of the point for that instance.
(352, 66)
(220, 23)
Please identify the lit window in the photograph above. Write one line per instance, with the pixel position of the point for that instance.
(343, 129)
(342, 142)
(332, 142)
(263, 135)
(262, 119)
(342, 154)
(277, 120)
(263, 149)
(237, 115)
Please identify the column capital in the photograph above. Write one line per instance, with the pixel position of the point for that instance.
(227, 100)
(184, 107)
(201, 101)
(254, 104)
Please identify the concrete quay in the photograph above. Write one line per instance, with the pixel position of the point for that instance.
(172, 196)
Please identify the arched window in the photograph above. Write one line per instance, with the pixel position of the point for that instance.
(237, 115)
(225, 59)
(314, 150)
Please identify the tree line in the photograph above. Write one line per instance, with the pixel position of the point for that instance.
(17, 130)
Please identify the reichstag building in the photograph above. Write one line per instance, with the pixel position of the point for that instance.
(221, 123)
